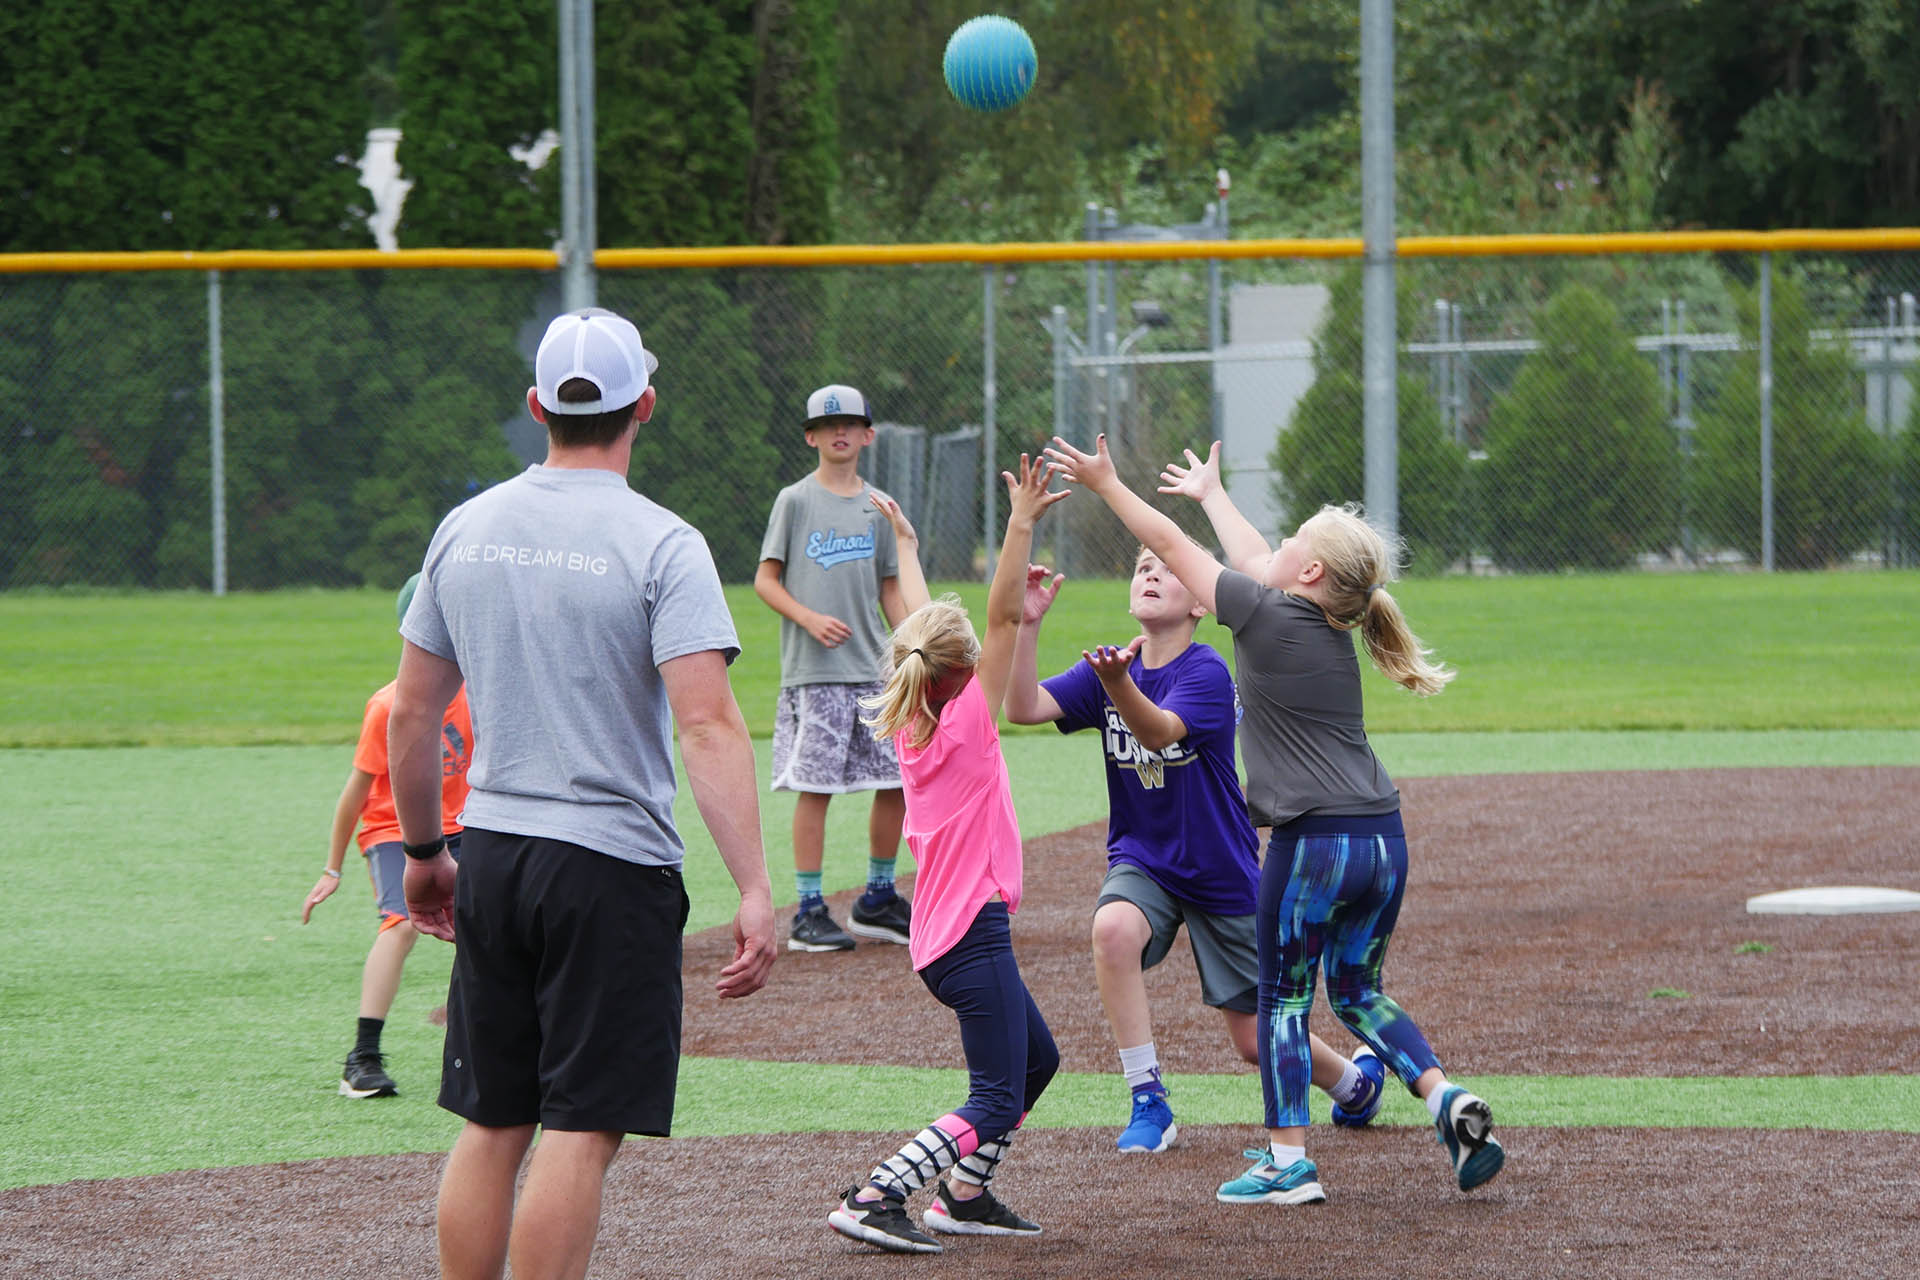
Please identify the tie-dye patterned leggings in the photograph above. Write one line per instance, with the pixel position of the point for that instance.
(1330, 891)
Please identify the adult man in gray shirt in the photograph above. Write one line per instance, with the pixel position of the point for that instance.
(588, 622)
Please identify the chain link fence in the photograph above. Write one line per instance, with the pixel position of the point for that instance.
(264, 429)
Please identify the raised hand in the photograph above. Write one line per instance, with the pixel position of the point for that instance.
(1094, 470)
(1027, 496)
(902, 530)
(1040, 593)
(1197, 480)
(1110, 662)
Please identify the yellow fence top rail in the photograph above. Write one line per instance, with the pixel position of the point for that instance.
(1872, 240)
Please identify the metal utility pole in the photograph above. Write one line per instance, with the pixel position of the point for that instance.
(578, 219)
(1380, 341)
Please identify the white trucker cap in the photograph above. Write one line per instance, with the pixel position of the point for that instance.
(599, 346)
(837, 401)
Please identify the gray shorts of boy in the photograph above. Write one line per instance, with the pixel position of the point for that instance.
(387, 865)
(820, 746)
(1223, 946)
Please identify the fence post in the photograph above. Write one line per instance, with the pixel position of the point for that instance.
(988, 394)
(1380, 333)
(216, 435)
(1766, 412)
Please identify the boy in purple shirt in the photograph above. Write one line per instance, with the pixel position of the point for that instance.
(1180, 847)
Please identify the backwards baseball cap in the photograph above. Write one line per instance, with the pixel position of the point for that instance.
(599, 346)
(837, 401)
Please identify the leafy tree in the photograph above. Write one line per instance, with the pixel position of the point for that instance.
(476, 79)
(1321, 455)
(1581, 469)
(1829, 469)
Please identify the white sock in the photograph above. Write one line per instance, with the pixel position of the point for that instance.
(1140, 1064)
(1284, 1156)
(1348, 1090)
(1433, 1100)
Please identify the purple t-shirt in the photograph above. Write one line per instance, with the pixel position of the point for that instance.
(1178, 813)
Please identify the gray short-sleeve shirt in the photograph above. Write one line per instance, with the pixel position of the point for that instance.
(558, 594)
(1302, 735)
(834, 554)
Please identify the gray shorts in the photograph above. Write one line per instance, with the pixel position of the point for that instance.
(387, 865)
(820, 746)
(1223, 946)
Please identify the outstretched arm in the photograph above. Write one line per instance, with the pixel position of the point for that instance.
(911, 583)
(1027, 501)
(1246, 550)
(1153, 726)
(1027, 701)
(1197, 570)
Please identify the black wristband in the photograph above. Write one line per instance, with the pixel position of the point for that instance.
(431, 849)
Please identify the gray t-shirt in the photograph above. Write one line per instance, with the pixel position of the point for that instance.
(1302, 734)
(559, 593)
(834, 554)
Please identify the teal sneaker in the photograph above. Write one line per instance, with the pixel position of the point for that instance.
(1465, 1128)
(1267, 1183)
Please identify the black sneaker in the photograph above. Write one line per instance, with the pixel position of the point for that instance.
(815, 930)
(888, 922)
(883, 1222)
(366, 1076)
(981, 1216)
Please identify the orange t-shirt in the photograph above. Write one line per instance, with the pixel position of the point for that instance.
(378, 822)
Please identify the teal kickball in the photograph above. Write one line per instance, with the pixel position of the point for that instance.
(990, 63)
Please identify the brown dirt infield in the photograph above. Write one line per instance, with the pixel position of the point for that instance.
(1543, 910)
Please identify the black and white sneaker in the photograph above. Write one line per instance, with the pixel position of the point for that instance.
(883, 1222)
(366, 1076)
(981, 1216)
(814, 930)
(888, 922)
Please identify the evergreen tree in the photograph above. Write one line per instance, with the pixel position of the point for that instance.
(1581, 468)
(1320, 457)
(1829, 469)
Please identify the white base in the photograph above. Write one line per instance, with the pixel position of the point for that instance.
(1833, 900)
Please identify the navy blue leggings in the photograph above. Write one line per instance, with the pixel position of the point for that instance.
(1010, 1053)
(1330, 892)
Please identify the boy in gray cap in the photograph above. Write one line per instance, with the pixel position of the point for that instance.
(829, 567)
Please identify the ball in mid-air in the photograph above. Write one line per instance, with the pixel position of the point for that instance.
(990, 63)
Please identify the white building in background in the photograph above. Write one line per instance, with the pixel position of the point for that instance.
(380, 174)
(1264, 369)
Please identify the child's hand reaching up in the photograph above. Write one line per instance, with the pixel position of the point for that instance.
(1027, 496)
(1093, 470)
(1197, 480)
(902, 530)
(1040, 594)
(1111, 663)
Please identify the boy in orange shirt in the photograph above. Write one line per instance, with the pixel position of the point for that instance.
(367, 801)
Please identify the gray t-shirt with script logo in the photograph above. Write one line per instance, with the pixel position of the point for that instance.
(834, 553)
(559, 593)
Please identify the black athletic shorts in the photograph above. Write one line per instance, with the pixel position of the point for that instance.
(564, 1009)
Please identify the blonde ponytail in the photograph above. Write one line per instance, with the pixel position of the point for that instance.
(933, 640)
(1359, 562)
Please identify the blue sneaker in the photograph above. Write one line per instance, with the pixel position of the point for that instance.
(1373, 1081)
(1267, 1183)
(1465, 1127)
(1152, 1128)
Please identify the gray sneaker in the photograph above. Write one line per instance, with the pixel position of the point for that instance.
(815, 931)
(888, 922)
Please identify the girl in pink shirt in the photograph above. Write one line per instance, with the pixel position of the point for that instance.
(940, 706)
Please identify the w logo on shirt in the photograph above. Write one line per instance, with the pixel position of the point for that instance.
(1152, 772)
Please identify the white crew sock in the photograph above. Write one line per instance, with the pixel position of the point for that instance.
(1141, 1065)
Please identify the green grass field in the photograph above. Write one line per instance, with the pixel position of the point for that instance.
(163, 1008)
